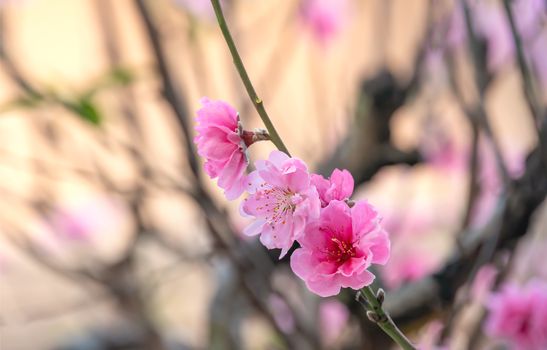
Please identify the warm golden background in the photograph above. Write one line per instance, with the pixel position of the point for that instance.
(120, 167)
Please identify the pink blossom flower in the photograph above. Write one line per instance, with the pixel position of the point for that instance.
(281, 199)
(282, 314)
(519, 315)
(220, 142)
(442, 152)
(339, 186)
(333, 319)
(409, 264)
(324, 17)
(338, 248)
(82, 221)
(529, 16)
(491, 24)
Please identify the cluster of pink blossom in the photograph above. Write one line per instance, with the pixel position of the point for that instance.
(492, 26)
(519, 315)
(333, 318)
(324, 18)
(339, 239)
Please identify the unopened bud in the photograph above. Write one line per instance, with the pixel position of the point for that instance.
(361, 300)
(373, 316)
(380, 296)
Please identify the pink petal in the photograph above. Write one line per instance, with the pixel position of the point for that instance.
(358, 281)
(298, 180)
(233, 170)
(312, 238)
(348, 268)
(336, 216)
(254, 228)
(364, 218)
(324, 287)
(343, 182)
(380, 247)
(278, 158)
(302, 263)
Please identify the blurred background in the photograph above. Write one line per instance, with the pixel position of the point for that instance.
(111, 237)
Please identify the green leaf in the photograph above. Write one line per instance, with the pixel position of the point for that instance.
(87, 110)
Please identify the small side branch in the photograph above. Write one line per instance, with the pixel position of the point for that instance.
(378, 315)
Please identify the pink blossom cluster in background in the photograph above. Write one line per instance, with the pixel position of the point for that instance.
(339, 240)
(333, 318)
(431, 221)
(82, 221)
(491, 24)
(324, 18)
(518, 314)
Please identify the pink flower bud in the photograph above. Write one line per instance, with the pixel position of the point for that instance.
(220, 142)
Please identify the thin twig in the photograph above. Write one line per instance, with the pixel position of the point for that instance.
(257, 101)
(378, 315)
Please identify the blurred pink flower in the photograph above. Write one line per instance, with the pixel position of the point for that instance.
(408, 265)
(443, 153)
(338, 186)
(324, 17)
(282, 314)
(491, 24)
(529, 15)
(519, 315)
(338, 248)
(82, 221)
(220, 142)
(333, 319)
(281, 199)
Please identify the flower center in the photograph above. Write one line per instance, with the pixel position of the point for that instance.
(340, 251)
(278, 203)
(524, 326)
